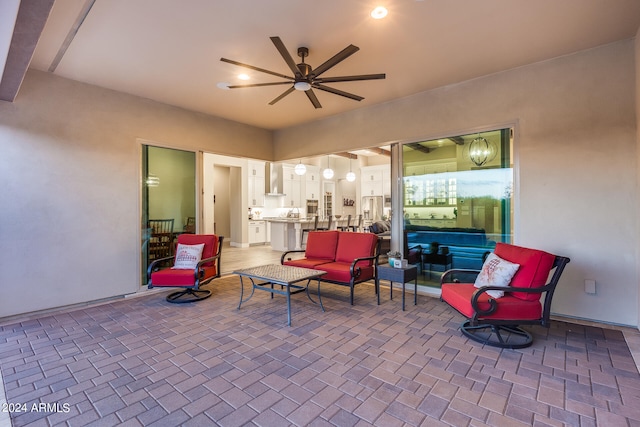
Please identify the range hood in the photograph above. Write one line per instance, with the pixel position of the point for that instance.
(273, 179)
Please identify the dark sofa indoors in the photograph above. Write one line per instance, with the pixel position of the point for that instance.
(466, 245)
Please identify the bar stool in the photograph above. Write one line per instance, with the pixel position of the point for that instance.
(328, 224)
(356, 227)
(346, 227)
(314, 227)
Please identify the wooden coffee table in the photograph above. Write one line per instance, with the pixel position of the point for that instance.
(289, 278)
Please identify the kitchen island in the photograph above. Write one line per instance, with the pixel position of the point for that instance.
(286, 233)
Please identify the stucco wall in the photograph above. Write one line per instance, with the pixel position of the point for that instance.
(70, 154)
(69, 171)
(575, 153)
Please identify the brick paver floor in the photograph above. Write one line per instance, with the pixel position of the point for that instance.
(145, 362)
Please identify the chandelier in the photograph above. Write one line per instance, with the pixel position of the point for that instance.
(482, 151)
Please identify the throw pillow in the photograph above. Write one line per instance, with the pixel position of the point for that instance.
(188, 256)
(496, 272)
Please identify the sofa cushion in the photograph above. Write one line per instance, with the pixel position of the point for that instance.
(341, 272)
(458, 295)
(321, 245)
(535, 266)
(306, 263)
(355, 245)
(171, 277)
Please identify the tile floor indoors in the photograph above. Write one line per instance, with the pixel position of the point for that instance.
(142, 361)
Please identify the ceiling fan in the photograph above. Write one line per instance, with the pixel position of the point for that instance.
(306, 78)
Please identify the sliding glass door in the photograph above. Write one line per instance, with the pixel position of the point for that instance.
(457, 199)
(168, 201)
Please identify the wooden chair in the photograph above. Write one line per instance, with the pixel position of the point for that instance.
(163, 272)
(190, 226)
(496, 320)
(160, 238)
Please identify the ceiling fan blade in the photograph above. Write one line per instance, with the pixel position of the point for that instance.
(259, 84)
(338, 92)
(286, 56)
(350, 78)
(285, 93)
(312, 97)
(262, 70)
(338, 57)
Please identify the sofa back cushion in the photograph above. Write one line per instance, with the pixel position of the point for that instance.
(322, 245)
(210, 244)
(355, 245)
(535, 266)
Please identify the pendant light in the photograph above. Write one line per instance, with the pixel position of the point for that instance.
(328, 172)
(481, 151)
(300, 169)
(350, 176)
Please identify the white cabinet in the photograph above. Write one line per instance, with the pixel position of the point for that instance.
(386, 181)
(291, 186)
(257, 232)
(312, 183)
(256, 184)
(375, 181)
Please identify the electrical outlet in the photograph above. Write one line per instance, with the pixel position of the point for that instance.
(590, 286)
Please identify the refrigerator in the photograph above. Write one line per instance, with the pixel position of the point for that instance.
(372, 208)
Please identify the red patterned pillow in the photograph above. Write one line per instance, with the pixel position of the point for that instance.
(496, 272)
(188, 256)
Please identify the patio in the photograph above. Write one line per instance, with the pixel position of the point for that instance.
(143, 361)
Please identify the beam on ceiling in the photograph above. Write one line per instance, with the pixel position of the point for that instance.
(30, 20)
(347, 155)
(419, 147)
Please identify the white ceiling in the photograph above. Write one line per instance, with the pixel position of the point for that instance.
(170, 50)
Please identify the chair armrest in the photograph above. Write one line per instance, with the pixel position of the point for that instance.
(355, 271)
(492, 301)
(155, 264)
(284, 255)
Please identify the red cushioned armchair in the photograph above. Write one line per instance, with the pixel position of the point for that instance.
(526, 301)
(190, 280)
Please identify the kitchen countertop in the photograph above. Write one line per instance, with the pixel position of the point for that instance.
(291, 220)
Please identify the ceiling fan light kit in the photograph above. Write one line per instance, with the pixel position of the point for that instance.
(305, 78)
(302, 86)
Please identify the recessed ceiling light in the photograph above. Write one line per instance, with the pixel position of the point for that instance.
(243, 76)
(379, 12)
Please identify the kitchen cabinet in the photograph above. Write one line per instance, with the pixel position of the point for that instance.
(312, 183)
(430, 185)
(375, 180)
(256, 184)
(257, 232)
(291, 186)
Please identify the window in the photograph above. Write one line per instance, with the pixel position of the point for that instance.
(457, 199)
